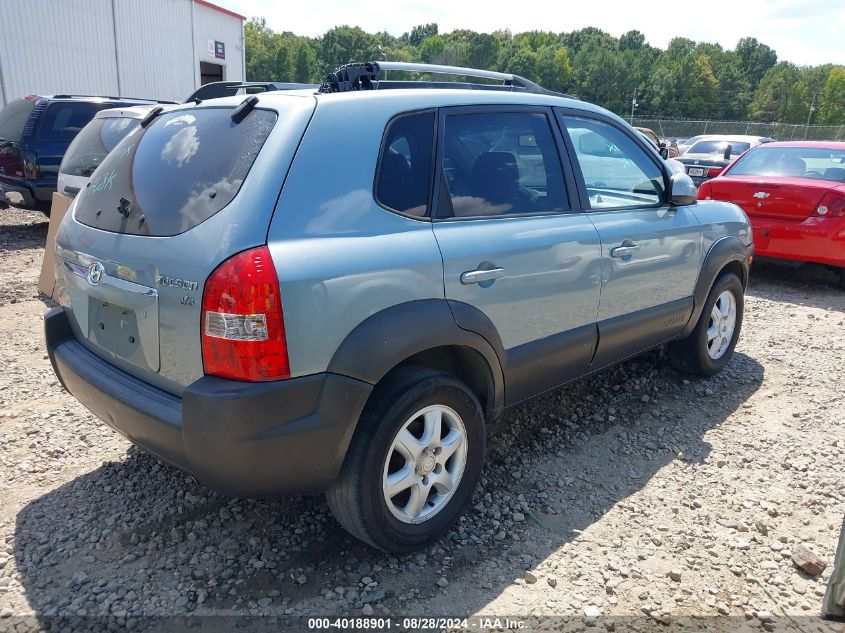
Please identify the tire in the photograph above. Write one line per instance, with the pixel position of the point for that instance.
(842, 278)
(358, 499)
(697, 353)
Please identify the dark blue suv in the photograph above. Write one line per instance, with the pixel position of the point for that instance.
(35, 133)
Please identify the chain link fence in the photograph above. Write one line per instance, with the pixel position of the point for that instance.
(681, 129)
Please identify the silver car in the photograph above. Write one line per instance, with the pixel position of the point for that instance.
(100, 136)
(338, 290)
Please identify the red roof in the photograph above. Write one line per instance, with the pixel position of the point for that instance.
(211, 5)
(837, 145)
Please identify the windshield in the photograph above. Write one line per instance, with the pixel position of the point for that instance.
(13, 117)
(719, 147)
(176, 173)
(793, 162)
(92, 144)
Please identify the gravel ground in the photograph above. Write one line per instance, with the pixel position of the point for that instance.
(637, 492)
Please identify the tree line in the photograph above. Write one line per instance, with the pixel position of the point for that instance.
(691, 80)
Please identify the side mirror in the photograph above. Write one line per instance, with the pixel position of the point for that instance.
(682, 190)
(728, 151)
(664, 152)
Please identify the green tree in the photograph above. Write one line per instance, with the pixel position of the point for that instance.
(755, 59)
(431, 49)
(421, 32)
(482, 51)
(832, 101)
(345, 44)
(781, 96)
(262, 47)
(689, 79)
(553, 69)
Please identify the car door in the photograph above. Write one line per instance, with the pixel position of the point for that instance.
(651, 251)
(513, 248)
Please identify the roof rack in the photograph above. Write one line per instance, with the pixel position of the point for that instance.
(228, 88)
(111, 98)
(364, 76)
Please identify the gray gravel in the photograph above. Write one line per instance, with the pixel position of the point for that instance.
(638, 491)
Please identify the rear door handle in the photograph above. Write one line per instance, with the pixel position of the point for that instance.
(624, 251)
(479, 276)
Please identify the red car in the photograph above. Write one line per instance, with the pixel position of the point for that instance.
(794, 194)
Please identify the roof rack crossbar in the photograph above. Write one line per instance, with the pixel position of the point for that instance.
(364, 76)
(112, 98)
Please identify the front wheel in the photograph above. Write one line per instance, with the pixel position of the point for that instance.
(413, 463)
(709, 347)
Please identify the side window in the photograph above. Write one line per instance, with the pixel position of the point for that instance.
(501, 164)
(62, 121)
(617, 172)
(404, 167)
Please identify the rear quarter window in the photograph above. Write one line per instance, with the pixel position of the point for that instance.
(63, 120)
(13, 118)
(404, 168)
(178, 172)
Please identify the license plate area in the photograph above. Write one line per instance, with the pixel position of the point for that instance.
(114, 328)
(117, 316)
(696, 171)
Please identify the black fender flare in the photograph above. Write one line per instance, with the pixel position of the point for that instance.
(721, 253)
(387, 338)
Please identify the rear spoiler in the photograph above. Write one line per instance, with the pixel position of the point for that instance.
(218, 89)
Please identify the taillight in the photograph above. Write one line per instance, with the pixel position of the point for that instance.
(831, 206)
(715, 171)
(704, 191)
(243, 329)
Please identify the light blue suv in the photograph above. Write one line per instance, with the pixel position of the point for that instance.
(336, 290)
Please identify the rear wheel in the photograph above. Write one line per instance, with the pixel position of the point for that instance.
(709, 347)
(413, 463)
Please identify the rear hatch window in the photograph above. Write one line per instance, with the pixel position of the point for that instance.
(13, 118)
(178, 172)
(63, 120)
(92, 144)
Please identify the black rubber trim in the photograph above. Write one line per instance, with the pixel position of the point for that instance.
(267, 439)
(541, 365)
(721, 253)
(239, 438)
(391, 336)
(630, 334)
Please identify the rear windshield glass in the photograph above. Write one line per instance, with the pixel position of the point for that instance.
(793, 162)
(176, 173)
(718, 147)
(65, 119)
(13, 117)
(92, 144)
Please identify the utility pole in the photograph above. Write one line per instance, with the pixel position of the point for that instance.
(810, 115)
(634, 104)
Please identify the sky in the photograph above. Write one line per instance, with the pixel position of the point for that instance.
(805, 32)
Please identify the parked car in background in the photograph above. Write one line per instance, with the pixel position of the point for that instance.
(93, 143)
(684, 144)
(35, 132)
(652, 138)
(708, 156)
(273, 300)
(794, 194)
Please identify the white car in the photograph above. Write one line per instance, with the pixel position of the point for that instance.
(93, 143)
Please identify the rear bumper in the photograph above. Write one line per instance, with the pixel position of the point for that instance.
(243, 439)
(819, 240)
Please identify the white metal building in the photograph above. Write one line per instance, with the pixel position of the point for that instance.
(154, 49)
